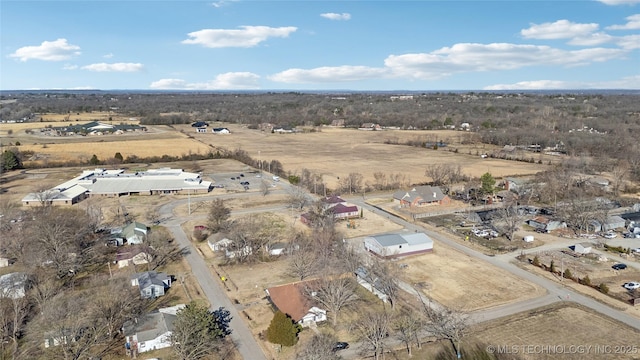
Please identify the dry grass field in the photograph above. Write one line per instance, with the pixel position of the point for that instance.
(458, 280)
(336, 152)
(332, 152)
(561, 328)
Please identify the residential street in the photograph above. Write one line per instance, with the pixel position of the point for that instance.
(213, 290)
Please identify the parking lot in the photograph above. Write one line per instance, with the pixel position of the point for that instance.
(238, 181)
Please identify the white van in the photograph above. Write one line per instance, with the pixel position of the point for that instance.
(276, 178)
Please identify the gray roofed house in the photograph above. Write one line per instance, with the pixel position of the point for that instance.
(421, 196)
(134, 232)
(150, 332)
(151, 283)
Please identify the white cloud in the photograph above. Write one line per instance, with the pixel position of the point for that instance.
(328, 74)
(561, 29)
(247, 36)
(226, 81)
(533, 85)
(591, 39)
(466, 57)
(69, 67)
(108, 56)
(115, 67)
(633, 23)
(221, 3)
(631, 82)
(336, 16)
(620, 2)
(629, 42)
(57, 50)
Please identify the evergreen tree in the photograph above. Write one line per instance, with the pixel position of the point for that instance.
(488, 183)
(118, 157)
(283, 330)
(198, 332)
(94, 160)
(10, 160)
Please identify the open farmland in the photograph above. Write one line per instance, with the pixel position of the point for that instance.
(336, 152)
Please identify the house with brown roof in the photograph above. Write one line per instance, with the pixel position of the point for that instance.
(292, 300)
(421, 196)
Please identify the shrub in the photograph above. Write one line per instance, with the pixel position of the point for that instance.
(536, 261)
(552, 267)
(586, 280)
(282, 330)
(603, 288)
(568, 274)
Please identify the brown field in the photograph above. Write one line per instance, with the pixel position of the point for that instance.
(559, 327)
(332, 152)
(336, 152)
(449, 277)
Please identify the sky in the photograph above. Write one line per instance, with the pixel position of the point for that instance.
(305, 45)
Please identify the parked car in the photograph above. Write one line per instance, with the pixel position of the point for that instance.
(340, 346)
(619, 266)
(233, 178)
(632, 285)
(609, 235)
(636, 250)
(241, 175)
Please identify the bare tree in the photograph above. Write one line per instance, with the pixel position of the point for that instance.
(320, 347)
(445, 174)
(14, 312)
(334, 293)
(162, 247)
(351, 183)
(218, 215)
(304, 262)
(619, 174)
(264, 187)
(446, 323)
(385, 277)
(297, 197)
(509, 219)
(407, 328)
(372, 328)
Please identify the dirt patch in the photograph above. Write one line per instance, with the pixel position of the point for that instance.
(455, 279)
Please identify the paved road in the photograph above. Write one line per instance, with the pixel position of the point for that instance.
(212, 288)
(555, 290)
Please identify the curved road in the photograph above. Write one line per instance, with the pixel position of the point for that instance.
(555, 291)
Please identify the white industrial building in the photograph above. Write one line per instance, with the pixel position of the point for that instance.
(396, 245)
(113, 183)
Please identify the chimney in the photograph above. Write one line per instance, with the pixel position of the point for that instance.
(434, 194)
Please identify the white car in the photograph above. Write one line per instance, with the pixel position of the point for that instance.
(609, 235)
(632, 285)
(636, 250)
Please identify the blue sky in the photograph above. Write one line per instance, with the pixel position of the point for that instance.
(320, 45)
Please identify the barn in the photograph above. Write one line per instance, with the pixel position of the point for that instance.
(396, 245)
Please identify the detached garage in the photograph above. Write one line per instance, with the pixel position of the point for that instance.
(396, 245)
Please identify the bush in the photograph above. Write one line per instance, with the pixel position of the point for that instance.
(603, 288)
(586, 280)
(536, 261)
(282, 330)
(568, 274)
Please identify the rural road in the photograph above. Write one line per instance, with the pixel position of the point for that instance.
(555, 291)
(247, 346)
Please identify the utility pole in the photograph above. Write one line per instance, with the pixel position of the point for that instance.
(189, 201)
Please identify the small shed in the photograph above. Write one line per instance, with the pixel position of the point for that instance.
(582, 248)
(528, 238)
